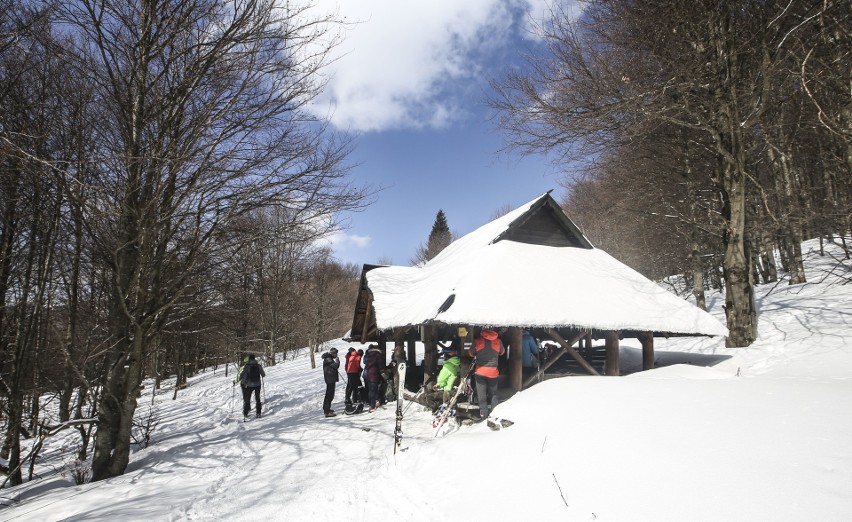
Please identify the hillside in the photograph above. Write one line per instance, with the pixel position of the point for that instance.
(712, 434)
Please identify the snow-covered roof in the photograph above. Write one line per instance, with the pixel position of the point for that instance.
(492, 277)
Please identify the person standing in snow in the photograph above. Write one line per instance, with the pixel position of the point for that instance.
(353, 375)
(373, 375)
(251, 380)
(330, 365)
(487, 349)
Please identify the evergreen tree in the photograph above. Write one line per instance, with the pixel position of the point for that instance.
(439, 238)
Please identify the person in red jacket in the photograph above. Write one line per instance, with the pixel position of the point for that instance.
(353, 374)
(486, 349)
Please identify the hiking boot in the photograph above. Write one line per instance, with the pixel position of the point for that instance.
(330, 414)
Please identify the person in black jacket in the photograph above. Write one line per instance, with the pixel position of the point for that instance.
(373, 364)
(251, 380)
(330, 364)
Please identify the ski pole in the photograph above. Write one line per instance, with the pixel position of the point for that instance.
(411, 400)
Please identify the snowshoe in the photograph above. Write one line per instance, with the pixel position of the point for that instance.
(354, 409)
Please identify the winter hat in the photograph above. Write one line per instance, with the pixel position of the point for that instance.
(333, 351)
(251, 357)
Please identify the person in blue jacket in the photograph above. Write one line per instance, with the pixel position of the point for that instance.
(530, 350)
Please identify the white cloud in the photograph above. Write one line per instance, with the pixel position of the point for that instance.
(398, 63)
(340, 240)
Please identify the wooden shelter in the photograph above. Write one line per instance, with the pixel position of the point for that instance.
(530, 269)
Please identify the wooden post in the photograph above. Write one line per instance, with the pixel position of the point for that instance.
(516, 360)
(383, 346)
(412, 353)
(647, 340)
(430, 355)
(399, 352)
(612, 353)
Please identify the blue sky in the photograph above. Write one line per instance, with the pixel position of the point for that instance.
(410, 82)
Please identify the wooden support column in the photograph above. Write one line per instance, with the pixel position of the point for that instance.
(612, 353)
(383, 346)
(647, 340)
(430, 355)
(412, 352)
(516, 360)
(399, 347)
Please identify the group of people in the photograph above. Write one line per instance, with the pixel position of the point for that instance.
(379, 378)
(486, 351)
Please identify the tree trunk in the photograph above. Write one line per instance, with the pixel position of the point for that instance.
(739, 287)
(797, 267)
(116, 409)
(698, 277)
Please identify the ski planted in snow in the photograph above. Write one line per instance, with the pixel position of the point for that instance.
(397, 431)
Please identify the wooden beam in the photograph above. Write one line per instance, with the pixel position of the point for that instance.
(566, 348)
(647, 340)
(612, 353)
(366, 321)
(516, 359)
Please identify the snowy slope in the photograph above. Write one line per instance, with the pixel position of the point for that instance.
(713, 434)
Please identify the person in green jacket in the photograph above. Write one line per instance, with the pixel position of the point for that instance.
(448, 374)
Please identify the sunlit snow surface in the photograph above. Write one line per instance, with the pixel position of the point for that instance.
(763, 433)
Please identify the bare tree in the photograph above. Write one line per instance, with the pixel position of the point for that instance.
(617, 70)
(202, 120)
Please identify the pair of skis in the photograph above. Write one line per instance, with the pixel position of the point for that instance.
(400, 411)
(397, 431)
(451, 406)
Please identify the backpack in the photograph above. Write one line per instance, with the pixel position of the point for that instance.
(253, 373)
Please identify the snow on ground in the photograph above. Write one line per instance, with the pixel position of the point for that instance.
(761, 433)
